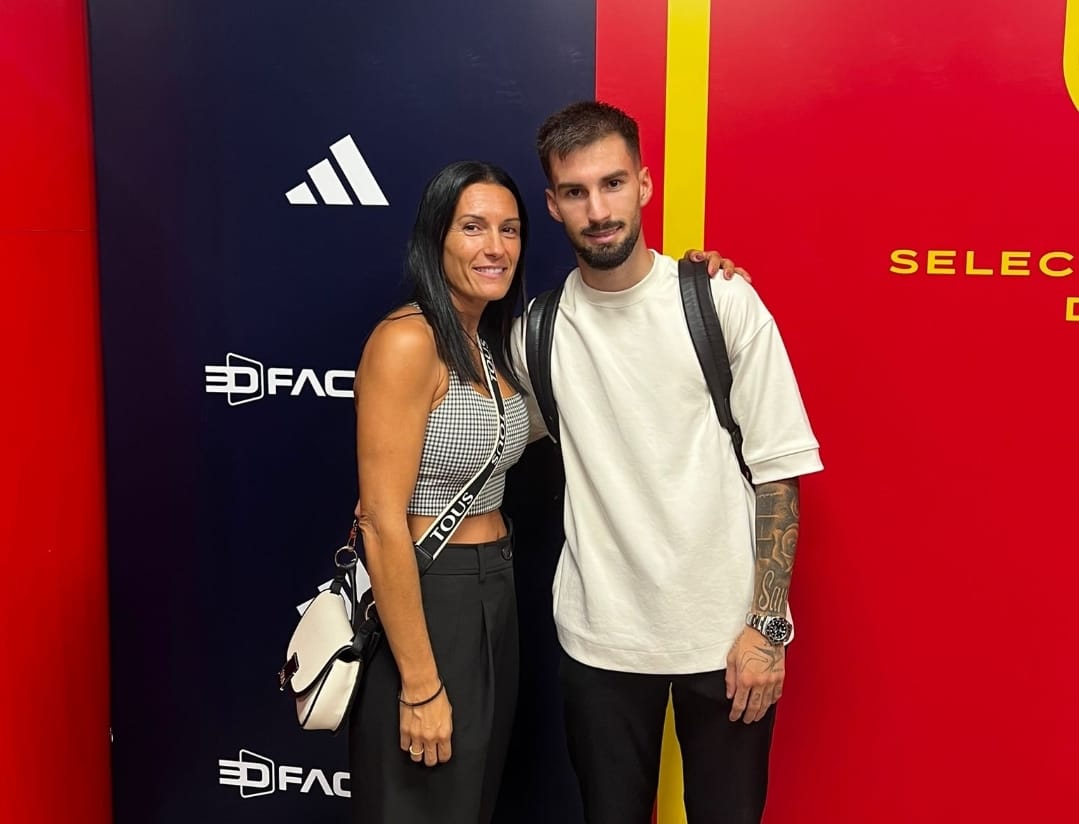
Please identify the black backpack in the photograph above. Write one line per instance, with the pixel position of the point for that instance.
(704, 329)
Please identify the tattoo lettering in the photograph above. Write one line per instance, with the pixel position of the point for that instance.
(777, 541)
(773, 596)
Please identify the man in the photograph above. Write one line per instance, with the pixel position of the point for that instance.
(659, 589)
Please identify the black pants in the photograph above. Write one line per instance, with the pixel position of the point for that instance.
(471, 611)
(614, 725)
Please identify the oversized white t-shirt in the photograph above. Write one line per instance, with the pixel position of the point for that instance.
(656, 574)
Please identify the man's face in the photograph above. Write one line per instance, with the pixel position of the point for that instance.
(597, 193)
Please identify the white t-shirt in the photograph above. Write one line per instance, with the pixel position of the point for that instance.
(657, 572)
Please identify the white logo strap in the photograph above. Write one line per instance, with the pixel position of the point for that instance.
(434, 540)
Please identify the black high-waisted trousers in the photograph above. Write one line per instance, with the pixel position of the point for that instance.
(471, 612)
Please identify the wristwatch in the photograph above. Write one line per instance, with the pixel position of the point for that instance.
(776, 629)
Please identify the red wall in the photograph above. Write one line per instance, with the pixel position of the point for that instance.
(55, 744)
(933, 678)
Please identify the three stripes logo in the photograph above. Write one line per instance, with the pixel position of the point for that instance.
(329, 186)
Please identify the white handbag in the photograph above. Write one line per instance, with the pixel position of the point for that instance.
(330, 648)
(323, 696)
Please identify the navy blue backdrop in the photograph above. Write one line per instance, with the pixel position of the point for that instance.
(235, 303)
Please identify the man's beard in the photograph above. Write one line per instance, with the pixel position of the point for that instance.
(609, 255)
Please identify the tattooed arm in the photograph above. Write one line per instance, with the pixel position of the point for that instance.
(756, 668)
(777, 540)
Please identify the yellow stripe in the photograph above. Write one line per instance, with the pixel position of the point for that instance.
(685, 150)
(686, 128)
(1071, 50)
(670, 809)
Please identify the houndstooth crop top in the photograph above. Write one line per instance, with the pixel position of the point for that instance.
(457, 444)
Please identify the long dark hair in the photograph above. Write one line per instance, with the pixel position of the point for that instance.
(430, 288)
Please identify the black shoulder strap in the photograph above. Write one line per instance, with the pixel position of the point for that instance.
(711, 348)
(539, 339)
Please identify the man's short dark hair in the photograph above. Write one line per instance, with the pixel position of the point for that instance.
(582, 124)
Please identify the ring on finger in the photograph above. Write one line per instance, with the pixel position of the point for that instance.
(413, 753)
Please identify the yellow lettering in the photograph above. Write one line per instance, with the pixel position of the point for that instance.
(1058, 264)
(1010, 259)
(974, 270)
(1072, 310)
(1043, 264)
(940, 262)
(905, 258)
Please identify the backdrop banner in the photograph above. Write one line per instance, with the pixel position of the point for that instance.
(259, 167)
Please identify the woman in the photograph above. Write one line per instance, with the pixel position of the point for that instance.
(428, 736)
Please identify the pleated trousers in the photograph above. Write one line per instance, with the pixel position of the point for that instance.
(471, 612)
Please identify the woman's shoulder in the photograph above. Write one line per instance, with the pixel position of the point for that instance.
(409, 316)
(402, 339)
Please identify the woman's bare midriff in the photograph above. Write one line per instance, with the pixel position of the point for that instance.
(475, 529)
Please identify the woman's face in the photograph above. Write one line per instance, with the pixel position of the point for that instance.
(482, 246)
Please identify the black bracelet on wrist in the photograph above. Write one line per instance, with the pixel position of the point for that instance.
(438, 692)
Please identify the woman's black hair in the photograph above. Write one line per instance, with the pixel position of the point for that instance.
(430, 288)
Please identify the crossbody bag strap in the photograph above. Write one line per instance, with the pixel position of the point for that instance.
(344, 580)
(539, 341)
(711, 348)
(434, 540)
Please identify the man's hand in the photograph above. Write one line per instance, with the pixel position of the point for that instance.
(717, 263)
(755, 673)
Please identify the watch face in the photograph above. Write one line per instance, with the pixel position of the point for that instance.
(777, 630)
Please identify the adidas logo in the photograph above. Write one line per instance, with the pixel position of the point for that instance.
(329, 185)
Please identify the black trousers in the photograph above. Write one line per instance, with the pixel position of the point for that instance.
(471, 611)
(614, 725)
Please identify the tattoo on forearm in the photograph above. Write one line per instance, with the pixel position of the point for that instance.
(777, 540)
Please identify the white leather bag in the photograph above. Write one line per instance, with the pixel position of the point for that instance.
(328, 651)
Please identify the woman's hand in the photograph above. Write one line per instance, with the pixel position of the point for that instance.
(717, 264)
(426, 730)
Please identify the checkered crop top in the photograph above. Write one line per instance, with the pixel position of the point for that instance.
(457, 444)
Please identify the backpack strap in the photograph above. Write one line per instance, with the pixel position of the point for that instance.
(711, 348)
(539, 340)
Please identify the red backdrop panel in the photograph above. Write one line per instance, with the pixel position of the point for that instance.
(631, 72)
(930, 680)
(55, 688)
